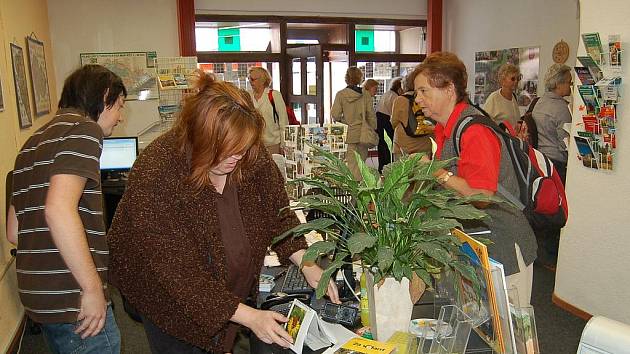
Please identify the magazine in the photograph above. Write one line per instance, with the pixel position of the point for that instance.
(484, 311)
(593, 46)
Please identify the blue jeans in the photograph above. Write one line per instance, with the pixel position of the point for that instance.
(61, 338)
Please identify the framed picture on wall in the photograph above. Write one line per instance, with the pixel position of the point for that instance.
(39, 76)
(21, 93)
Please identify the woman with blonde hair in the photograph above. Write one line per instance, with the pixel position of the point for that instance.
(189, 237)
(502, 104)
(354, 107)
(274, 113)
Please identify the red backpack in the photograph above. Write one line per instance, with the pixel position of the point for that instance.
(290, 113)
(542, 198)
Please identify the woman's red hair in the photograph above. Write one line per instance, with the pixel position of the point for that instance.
(217, 121)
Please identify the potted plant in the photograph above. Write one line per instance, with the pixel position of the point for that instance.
(398, 226)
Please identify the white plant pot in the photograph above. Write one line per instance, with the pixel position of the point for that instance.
(390, 306)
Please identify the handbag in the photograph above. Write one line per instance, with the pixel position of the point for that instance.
(368, 135)
(416, 126)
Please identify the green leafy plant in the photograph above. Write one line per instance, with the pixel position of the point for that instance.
(396, 225)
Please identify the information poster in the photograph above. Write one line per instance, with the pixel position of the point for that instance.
(487, 64)
(137, 70)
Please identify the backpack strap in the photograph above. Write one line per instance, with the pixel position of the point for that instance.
(460, 128)
(276, 117)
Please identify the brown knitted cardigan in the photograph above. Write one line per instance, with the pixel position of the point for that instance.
(166, 254)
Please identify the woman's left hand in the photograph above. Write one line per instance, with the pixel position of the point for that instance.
(313, 273)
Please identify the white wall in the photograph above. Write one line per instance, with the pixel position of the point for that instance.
(473, 26)
(594, 267)
(408, 9)
(82, 26)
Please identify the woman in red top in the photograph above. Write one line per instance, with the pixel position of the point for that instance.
(483, 165)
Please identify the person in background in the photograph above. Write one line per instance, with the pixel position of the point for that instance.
(550, 114)
(383, 121)
(354, 108)
(370, 86)
(56, 217)
(202, 205)
(260, 80)
(440, 84)
(402, 107)
(502, 104)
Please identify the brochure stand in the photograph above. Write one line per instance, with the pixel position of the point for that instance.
(449, 334)
(600, 78)
(516, 332)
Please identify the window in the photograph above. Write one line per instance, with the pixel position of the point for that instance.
(236, 73)
(233, 37)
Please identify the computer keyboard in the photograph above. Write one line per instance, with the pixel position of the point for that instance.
(294, 281)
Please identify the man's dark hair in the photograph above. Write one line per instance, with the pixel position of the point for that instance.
(86, 87)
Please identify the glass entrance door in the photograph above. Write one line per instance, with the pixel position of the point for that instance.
(306, 95)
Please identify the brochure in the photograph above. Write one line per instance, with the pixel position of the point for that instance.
(306, 327)
(587, 155)
(589, 97)
(592, 66)
(360, 345)
(503, 303)
(585, 76)
(614, 49)
(593, 46)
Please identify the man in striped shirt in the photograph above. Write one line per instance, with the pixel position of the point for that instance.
(56, 217)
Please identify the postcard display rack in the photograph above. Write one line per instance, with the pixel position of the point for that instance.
(174, 75)
(300, 157)
(599, 89)
(495, 314)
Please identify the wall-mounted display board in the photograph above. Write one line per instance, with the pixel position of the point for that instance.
(487, 64)
(137, 70)
(39, 76)
(600, 80)
(21, 91)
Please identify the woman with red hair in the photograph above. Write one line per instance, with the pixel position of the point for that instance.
(189, 237)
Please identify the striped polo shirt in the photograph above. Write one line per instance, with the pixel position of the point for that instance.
(70, 143)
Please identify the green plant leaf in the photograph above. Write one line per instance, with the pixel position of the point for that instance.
(320, 225)
(385, 258)
(326, 204)
(435, 251)
(466, 270)
(463, 211)
(360, 241)
(368, 175)
(316, 249)
(438, 224)
(325, 278)
(425, 276)
(397, 270)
